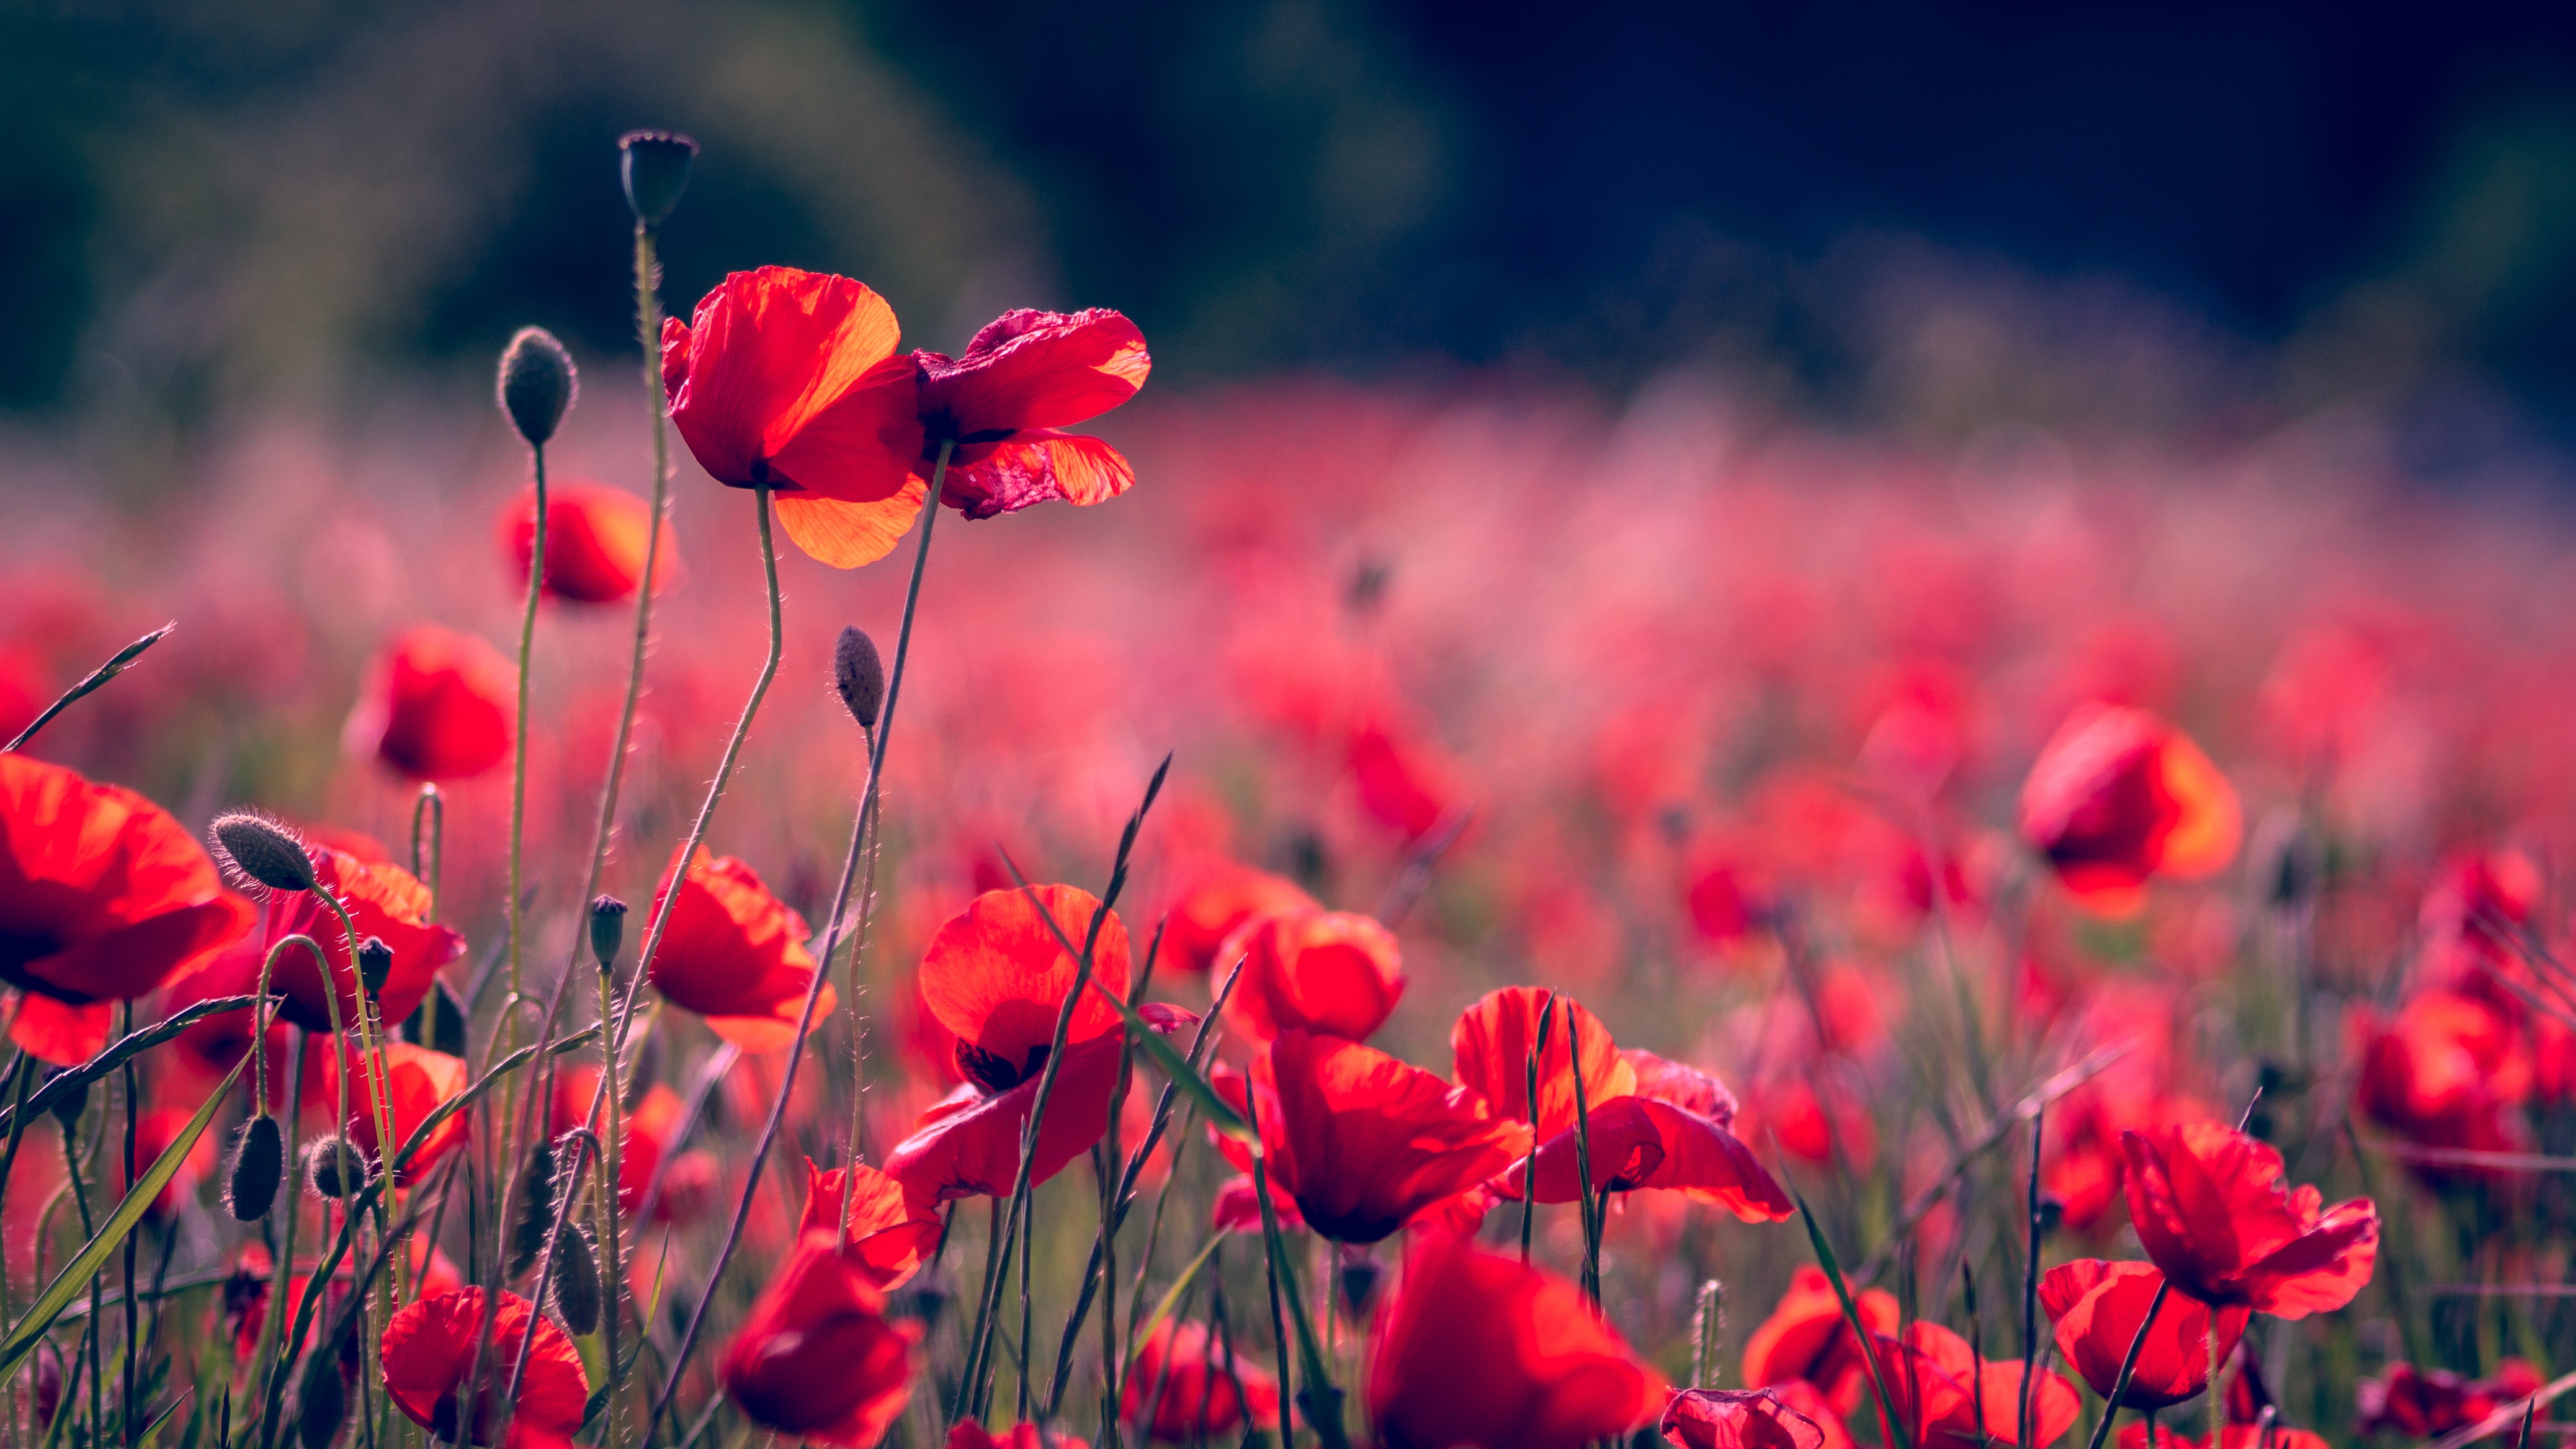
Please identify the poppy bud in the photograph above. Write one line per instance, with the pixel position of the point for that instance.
(74, 1100)
(536, 1208)
(655, 167)
(1358, 1277)
(261, 850)
(607, 930)
(334, 1169)
(576, 1275)
(323, 1402)
(375, 963)
(538, 384)
(859, 673)
(258, 1162)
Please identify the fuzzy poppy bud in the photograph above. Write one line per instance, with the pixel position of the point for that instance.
(334, 1168)
(375, 963)
(576, 1280)
(607, 930)
(538, 384)
(322, 1403)
(536, 1208)
(655, 166)
(260, 850)
(259, 1161)
(858, 671)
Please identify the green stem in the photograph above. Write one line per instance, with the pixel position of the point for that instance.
(519, 742)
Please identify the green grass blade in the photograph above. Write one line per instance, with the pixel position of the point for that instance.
(1851, 1313)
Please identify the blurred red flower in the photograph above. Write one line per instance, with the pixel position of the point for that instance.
(1335, 973)
(789, 380)
(1181, 1388)
(430, 1346)
(1807, 1340)
(418, 1081)
(1950, 1399)
(2429, 1403)
(1739, 1419)
(1237, 1208)
(816, 1357)
(384, 901)
(1546, 1373)
(889, 1235)
(2443, 1074)
(1365, 1142)
(643, 1139)
(2117, 796)
(2098, 1307)
(2232, 1436)
(2209, 1207)
(971, 1434)
(205, 1050)
(436, 705)
(1022, 379)
(735, 954)
(154, 1130)
(596, 539)
(997, 976)
(103, 897)
(1219, 898)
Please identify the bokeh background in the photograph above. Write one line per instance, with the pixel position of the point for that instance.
(1923, 217)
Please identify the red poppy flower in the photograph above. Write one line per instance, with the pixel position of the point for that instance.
(643, 1138)
(384, 901)
(996, 976)
(429, 1348)
(1220, 898)
(103, 897)
(1362, 1141)
(1951, 1399)
(1022, 379)
(1238, 1208)
(735, 954)
(2119, 795)
(1738, 1419)
(971, 1434)
(1330, 972)
(2231, 1436)
(816, 1357)
(1546, 1372)
(154, 1130)
(418, 1082)
(788, 380)
(436, 705)
(2210, 1209)
(206, 1050)
(2427, 1404)
(2097, 1307)
(888, 1235)
(2448, 1072)
(1490, 1050)
(1402, 786)
(596, 540)
(1806, 1339)
(1181, 1388)
(968, 1145)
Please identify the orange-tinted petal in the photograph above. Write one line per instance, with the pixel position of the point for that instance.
(1029, 468)
(998, 976)
(1490, 1050)
(1032, 369)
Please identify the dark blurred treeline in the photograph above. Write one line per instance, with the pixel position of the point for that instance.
(2163, 215)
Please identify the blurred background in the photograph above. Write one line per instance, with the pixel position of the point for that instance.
(2132, 216)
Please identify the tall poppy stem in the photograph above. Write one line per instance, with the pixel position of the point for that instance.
(519, 740)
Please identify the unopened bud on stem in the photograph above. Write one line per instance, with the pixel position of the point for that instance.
(375, 963)
(262, 851)
(334, 1168)
(258, 1163)
(655, 166)
(607, 930)
(858, 672)
(538, 384)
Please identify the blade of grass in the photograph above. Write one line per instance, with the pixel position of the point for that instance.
(97, 677)
(1851, 1311)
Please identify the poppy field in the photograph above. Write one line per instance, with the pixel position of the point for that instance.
(787, 887)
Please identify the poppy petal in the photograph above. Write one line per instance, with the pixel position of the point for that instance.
(1032, 369)
(848, 535)
(1033, 467)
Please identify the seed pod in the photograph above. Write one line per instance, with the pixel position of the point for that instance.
(655, 167)
(576, 1275)
(261, 851)
(322, 1401)
(334, 1168)
(607, 930)
(538, 384)
(259, 1161)
(536, 1208)
(375, 963)
(858, 671)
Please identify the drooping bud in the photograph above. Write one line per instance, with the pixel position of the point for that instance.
(859, 673)
(375, 963)
(655, 166)
(607, 930)
(334, 1168)
(536, 1208)
(576, 1280)
(322, 1401)
(259, 851)
(538, 384)
(70, 1101)
(259, 1161)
